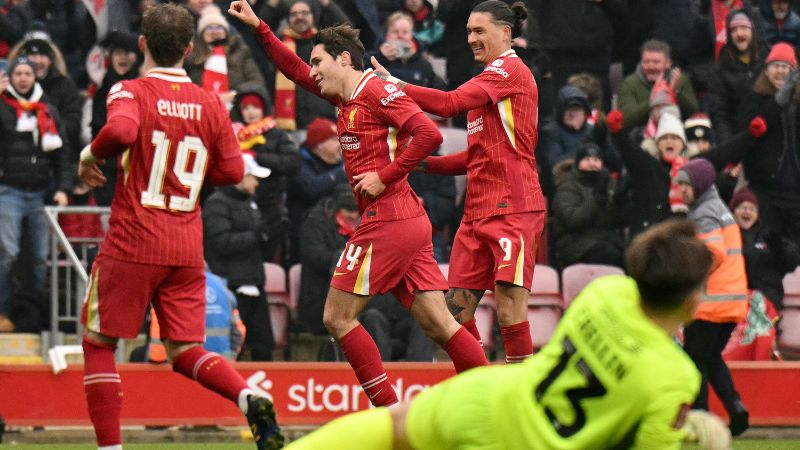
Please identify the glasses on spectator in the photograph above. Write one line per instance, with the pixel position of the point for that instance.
(215, 28)
(299, 13)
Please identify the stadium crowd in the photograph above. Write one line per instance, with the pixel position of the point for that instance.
(631, 92)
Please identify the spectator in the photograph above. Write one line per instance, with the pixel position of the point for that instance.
(320, 172)
(397, 335)
(593, 89)
(673, 23)
(637, 90)
(233, 240)
(139, 8)
(221, 62)
(274, 149)
(768, 256)
(81, 225)
(324, 234)
(724, 296)
(699, 142)
(63, 20)
(781, 24)
(296, 108)
(32, 161)
(560, 139)
(586, 212)
(438, 195)
(123, 64)
(741, 60)
(367, 16)
(57, 85)
(427, 29)
(655, 196)
(401, 54)
(576, 36)
(770, 160)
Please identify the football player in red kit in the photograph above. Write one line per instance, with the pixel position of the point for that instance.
(171, 136)
(495, 246)
(391, 250)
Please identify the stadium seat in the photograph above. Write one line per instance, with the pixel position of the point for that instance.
(445, 268)
(544, 304)
(294, 286)
(575, 277)
(789, 336)
(279, 303)
(791, 289)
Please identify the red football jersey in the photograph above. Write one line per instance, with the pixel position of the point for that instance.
(502, 137)
(370, 135)
(184, 132)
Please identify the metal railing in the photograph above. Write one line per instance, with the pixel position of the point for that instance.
(64, 261)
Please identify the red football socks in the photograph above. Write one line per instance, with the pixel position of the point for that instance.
(517, 340)
(103, 389)
(465, 351)
(365, 359)
(472, 327)
(212, 371)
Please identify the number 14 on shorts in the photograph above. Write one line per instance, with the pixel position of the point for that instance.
(351, 253)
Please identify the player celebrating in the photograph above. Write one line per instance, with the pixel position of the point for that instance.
(391, 249)
(171, 134)
(611, 377)
(495, 245)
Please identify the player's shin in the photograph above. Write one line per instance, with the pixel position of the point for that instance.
(465, 351)
(365, 359)
(103, 389)
(517, 341)
(213, 372)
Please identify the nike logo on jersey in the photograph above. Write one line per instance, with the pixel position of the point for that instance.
(502, 266)
(336, 274)
(375, 394)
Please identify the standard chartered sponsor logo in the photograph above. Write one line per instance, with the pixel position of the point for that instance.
(349, 142)
(475, 126)
(315, 396)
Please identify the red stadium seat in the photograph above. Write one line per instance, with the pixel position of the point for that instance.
(789, 336)
(279, 303)
(544, 304)
(575, 277)
(791, 289)
(294, 286)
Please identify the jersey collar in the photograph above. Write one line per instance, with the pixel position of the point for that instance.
(171, 74)
(362, 82)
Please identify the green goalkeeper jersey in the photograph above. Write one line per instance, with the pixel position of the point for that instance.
(609, 378)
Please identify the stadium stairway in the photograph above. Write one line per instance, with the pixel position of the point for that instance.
(19, 348)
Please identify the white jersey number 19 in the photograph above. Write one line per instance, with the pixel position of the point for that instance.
(190, 177)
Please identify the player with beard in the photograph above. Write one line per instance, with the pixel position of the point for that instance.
(495, 246)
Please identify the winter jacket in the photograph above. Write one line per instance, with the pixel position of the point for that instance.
(322, 245)
(650, 183)
(415, 70)
(313, 181)
(789, 31)
(768, 256)
(243, 73)
(731, 80)
(23, 164)
(584, 215)
(63, 94)
(557, 142)
(634, 98)
(724, 295)
(231, 237)
(439, 195)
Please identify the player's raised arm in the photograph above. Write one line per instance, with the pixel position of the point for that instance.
(445, 104)
(284, 59)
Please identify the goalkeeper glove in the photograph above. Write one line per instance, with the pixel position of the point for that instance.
(707, 430)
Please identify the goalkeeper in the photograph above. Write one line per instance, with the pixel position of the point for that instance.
(611, 376)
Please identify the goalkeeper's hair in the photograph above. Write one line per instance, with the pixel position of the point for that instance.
(669, 263)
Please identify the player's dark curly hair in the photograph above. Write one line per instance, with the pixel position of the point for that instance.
(513, 15)
(168, 30)
(342, 38)
(668, 263)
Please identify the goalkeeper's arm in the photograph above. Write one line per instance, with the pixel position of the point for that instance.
(707, 430)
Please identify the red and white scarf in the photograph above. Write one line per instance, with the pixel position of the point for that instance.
(215, 71)
(34, 116)
(676, 203)
(720, 11)
(253, 134)
(285, 94)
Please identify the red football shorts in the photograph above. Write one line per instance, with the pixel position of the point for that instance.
(395, 256)
(119, 291)
(497, 248)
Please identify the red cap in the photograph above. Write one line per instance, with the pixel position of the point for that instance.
(782, 52)
(319, 131)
